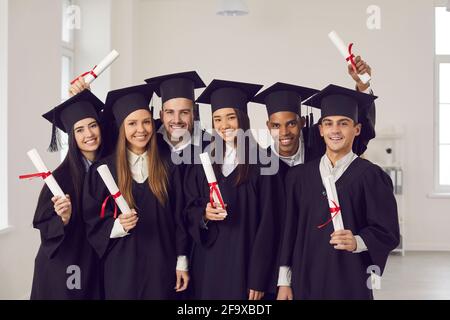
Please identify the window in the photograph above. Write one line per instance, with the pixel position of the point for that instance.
(442, 97)
(67, 44)
(3, 114)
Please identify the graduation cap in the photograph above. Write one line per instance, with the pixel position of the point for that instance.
(335, 100)
(284, 97)
(81, 106)
(124, 101)
(229, 94)
(177, 85)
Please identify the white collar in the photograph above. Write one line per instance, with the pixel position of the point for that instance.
(87, 163)
(230, 160)
(326, 167)
(341, 163)
(134, 158)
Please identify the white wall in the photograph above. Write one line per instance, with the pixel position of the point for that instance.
(281, 40)
(33, 87)
(3, 111)
(286, 40)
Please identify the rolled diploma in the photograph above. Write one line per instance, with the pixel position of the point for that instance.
(209, 172)
(330, 188)
(40, 167)
(343, 49)
(102, 66)
(108, 179)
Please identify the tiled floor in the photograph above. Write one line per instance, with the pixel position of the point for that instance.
(417, 275)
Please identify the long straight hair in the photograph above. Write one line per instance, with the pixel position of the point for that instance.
(158, 176)
(243, 167)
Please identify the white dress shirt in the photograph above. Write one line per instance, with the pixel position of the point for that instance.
(230, 160)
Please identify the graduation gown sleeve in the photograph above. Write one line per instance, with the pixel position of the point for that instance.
(98, 230)
(49, 224)
(382, 234)
(264, 252)
(196, 188)
(176, 197)
(291, 222)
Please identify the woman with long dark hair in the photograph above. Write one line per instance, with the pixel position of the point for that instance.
(235, 246)
(66, 266)
(144, 251)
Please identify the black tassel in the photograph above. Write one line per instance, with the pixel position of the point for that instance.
(55, 143)
(196, 112)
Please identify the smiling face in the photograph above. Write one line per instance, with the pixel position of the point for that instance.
(285, 128)
(138, 130)
(177, 116)
(88, 137)
(339, 132)
(226, 124)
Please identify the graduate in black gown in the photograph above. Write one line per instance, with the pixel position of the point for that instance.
(328, 264)
(179, 126)
(140, 248)
(66, 266)
(234, 251)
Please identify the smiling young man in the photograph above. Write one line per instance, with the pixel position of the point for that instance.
(178, 126)
(320, 263)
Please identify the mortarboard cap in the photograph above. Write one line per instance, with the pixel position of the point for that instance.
(229, 94)
(177, 85)
(124, 101)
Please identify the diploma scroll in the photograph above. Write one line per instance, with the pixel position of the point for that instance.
(333, 203)
(113, 189)
(44, 173)
(90, 76)
(346, 52)
(215, 195)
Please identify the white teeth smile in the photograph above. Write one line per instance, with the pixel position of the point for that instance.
(229, 132)
(91, 142)
(140, 137)
(285, 141)
(335, 138)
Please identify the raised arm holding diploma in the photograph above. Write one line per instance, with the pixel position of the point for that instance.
(346, 52)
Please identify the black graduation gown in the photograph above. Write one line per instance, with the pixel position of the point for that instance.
(62, 247)
(141, 265)
(368, 209)
(239, 253)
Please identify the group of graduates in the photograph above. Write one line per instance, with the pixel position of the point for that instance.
(271, 238)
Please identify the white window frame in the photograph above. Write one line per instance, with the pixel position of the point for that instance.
(439, 190)
(67, 50)
(4, 115)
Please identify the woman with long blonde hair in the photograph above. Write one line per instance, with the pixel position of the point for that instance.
(144, 251)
